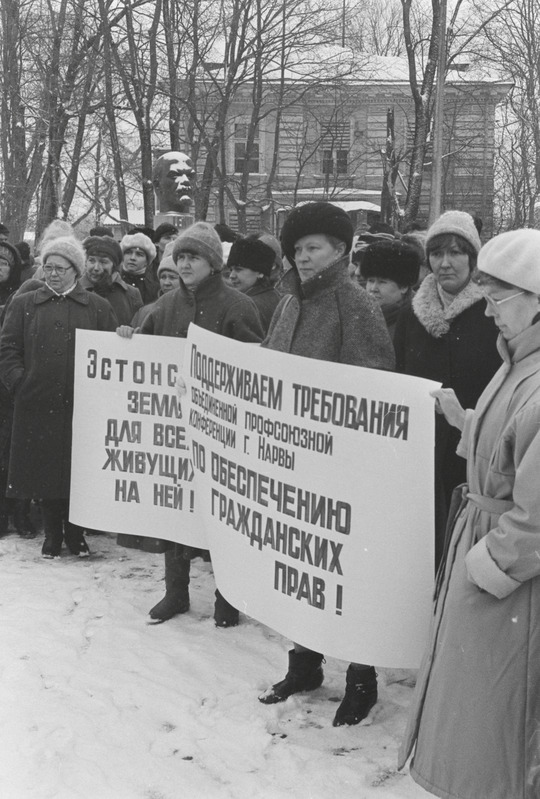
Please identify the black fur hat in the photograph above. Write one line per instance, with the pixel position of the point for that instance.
(313, 218)
(391, 260)
(252, 253)
(105, 246)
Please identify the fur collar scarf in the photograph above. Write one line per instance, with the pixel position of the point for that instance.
(429, 311)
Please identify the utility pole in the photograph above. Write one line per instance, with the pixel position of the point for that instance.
(438, 121)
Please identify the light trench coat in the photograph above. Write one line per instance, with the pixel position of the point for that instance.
(475, 720)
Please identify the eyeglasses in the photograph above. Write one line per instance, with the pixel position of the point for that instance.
(60, 270)
(496, 303)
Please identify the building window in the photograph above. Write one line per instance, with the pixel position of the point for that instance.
(292, 138)
(335, 147)
(342, 162)
(327, 163)
(240, 149)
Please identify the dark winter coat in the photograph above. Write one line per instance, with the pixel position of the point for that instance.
(458, 348)
(146, 283)
(125, 300)
(142, 313)
(266, 298)
(475, 717)
(392, 313)
(332, 318)
(215, 307)
(37, 353)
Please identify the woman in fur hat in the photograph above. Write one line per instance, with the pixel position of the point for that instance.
(445, 336)
(37, 352)
(331, 318)
(139, 252)
(250, 265)
(390, 270)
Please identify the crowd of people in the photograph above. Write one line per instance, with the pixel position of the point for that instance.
(430, 303)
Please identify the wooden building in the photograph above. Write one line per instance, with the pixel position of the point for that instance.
(325, 138)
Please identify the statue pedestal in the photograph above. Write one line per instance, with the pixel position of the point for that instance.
(181, 221)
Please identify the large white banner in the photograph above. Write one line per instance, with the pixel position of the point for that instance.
(131, 468)
(315, 483)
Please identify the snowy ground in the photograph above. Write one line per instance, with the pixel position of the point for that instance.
(95, 703)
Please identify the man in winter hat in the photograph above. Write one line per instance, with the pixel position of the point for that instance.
(204, 299)
(103, 260)
(138, 253)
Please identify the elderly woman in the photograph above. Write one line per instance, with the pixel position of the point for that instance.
(445, 336)
(331, 318)
(476, 716)
(37, 353)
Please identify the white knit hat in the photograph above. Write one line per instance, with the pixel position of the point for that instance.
(142, 242)
(459, 223)
(68, 247)
(513, 257)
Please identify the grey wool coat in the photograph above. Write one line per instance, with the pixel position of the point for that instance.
(37, 359)
(332, 318)
(475, 720)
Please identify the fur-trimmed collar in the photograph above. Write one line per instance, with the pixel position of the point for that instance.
(428, 309)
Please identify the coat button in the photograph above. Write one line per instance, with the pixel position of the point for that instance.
(58, 324)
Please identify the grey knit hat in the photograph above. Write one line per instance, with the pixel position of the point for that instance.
(202, 239)
(167, 262)
(69, 248)
(140, 241)
(459, 223)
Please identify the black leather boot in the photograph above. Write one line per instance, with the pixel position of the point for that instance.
(75, 540)
(176, 599)
(53, 527)
(360, 695)
(224, 613)
(21, 519)
(305, 674)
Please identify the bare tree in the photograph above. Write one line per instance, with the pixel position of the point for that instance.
(512, 46)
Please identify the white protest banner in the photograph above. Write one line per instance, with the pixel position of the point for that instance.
(131, 469)
(315, 483)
